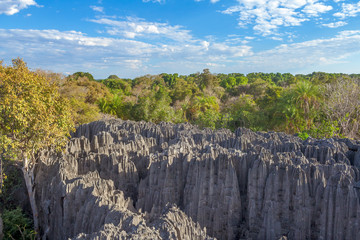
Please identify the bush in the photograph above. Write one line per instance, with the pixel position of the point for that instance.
(17, 225)
(12, 185)
(303, 135)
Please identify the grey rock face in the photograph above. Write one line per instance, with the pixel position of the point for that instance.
(136, 180)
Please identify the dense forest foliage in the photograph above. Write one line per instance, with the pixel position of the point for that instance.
(318, 104)
(33, 116)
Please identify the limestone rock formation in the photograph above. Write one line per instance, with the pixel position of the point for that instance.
(135, 180)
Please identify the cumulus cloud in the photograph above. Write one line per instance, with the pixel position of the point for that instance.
(312, 55)
(11, 7)
(97, 9)
(154, 1)
(212, 1)
(267, 16)
(70, 51)
(315, 9)
(334, 24)
(138, 28)
(348, 10)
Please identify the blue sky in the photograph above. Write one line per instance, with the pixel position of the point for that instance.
(131, 38)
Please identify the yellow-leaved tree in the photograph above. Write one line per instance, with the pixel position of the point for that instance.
(33, 116)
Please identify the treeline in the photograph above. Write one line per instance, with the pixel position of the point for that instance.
(318, 104)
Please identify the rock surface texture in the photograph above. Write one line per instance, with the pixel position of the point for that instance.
(135, 180)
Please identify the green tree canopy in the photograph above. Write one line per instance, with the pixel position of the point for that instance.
(300, 105)
(83, 94)
(113, 77)
(77, 75)
(207, 80)
(33, 116)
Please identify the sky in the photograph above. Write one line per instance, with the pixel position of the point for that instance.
(131, 38)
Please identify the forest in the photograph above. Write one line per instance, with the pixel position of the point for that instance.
(317, 104)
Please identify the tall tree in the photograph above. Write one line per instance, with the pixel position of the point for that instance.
(207, 80)
(343, 106)
(306, 96)
(33, 116)
(300, 104)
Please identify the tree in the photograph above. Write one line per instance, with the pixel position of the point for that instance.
(229, 82)
(170, 79)
(268, 107)
(77, 75)
(113, 77)
(118, 86)
(183, 89)
(257, 88)
(201, 104)
(207, 80)
(300, 104)
(33, 116)
(241, 80)
(306, 96)
(155, 107)
(84, 94)
(343, 106)
(243, 112)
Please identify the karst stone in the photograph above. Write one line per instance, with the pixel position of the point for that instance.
(136, 180)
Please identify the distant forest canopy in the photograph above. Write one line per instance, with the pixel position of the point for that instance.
(317, 104)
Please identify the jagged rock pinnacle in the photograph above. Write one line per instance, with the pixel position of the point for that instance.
(135, 180)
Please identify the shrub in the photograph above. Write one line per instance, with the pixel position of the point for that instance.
(17, 225)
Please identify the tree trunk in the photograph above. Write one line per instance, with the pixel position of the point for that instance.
(29, 181)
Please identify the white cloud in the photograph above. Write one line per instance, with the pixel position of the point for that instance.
(68, 51)
(267, 16)
(154, 1)
(97, 9)
(211, 64)
(348, 10)
(349, 33)
(316, 8)
(138, 28)
(11, 7)
(302, 57)
(335, 24)
(310, 55)
(73, 51)
(212, 1)
(135, 64)
(206, 45)
(234, 40)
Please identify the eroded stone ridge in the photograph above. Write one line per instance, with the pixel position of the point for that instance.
(135, 180)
